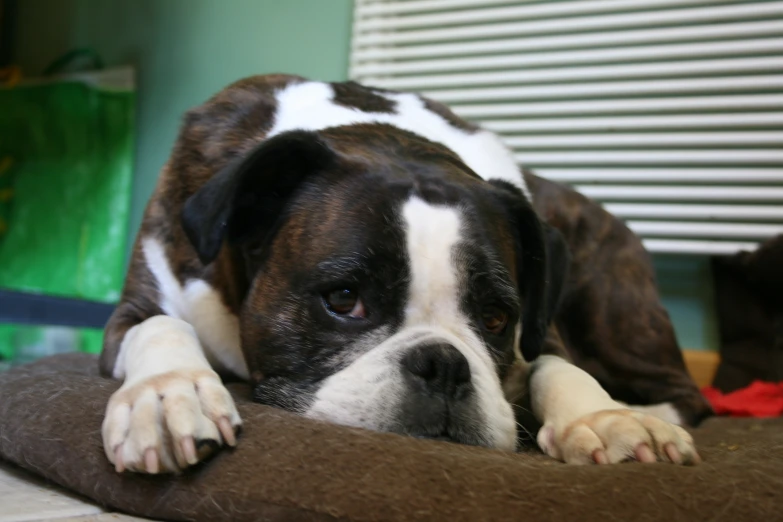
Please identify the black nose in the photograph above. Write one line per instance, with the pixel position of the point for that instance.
(442, 367)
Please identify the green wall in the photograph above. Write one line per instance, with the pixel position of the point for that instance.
(185, 50)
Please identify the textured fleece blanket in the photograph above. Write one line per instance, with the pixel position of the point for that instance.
(290, 468)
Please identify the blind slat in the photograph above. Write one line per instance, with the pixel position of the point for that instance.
(368, 8)
(575, 57)
(659, 157)
(623, 38)
(641, 105)
(695, 247)
(688, 68)
(634, 123)
(707, 230)
(728, 84)
(448, 15)
(672, 139)
(686, 193)
(758, 10)
(696, 211)
(664, 175)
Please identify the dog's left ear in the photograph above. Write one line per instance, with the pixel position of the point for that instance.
(542, 267)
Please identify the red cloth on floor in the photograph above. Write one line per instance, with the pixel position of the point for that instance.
(760, 399)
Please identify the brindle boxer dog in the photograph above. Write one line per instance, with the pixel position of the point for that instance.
(366, 257)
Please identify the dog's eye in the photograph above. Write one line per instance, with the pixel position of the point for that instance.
(345, 301)
(494, 319)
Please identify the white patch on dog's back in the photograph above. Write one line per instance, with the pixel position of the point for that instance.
(201, 306)
(310, 106)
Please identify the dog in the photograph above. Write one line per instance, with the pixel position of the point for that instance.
(366, 257)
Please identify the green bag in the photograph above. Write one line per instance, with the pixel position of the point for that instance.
(66, 167)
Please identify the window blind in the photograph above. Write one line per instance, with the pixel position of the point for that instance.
(668, 112)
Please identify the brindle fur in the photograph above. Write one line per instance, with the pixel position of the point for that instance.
(610, 320)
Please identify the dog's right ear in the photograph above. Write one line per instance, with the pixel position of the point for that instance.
(246, 198)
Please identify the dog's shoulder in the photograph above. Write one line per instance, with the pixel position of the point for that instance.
(238, 118)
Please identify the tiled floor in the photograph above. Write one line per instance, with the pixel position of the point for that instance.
(25, 498)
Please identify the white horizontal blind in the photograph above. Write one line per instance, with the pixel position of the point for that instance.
(669, 112)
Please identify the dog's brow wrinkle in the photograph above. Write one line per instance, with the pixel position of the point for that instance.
(499, 282)
(353, 262)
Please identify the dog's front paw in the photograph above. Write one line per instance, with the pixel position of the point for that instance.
(612, 436)
(168, 422)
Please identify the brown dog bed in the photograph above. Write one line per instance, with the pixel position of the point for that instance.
(290, 468)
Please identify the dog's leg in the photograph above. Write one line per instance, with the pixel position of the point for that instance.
(165, 341)
(172, 410)
(610, 316)
(582, 424)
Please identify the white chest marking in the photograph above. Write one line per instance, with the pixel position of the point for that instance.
(309, 106)
(201, 306)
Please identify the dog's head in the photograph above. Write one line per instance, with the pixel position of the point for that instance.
(391, 288)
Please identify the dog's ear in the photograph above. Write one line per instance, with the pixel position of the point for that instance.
(246, 198)
(557, 265)
(542, 267)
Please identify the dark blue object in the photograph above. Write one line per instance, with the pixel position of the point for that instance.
(47, 310)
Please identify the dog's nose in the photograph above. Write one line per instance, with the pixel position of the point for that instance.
(442, 367)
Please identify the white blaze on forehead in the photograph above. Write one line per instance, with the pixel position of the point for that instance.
(310, 106)
(432, 233)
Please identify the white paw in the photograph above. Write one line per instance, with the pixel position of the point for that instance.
(611, 436)
(168, 422)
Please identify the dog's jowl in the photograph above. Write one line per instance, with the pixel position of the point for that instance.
(362, 257)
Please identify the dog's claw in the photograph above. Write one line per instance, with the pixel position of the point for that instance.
(227, 431)
(119, 465)
(189, 450)
(599, 457)
(645, 454)
(673, 453)
(151, 463)
(692, 459)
